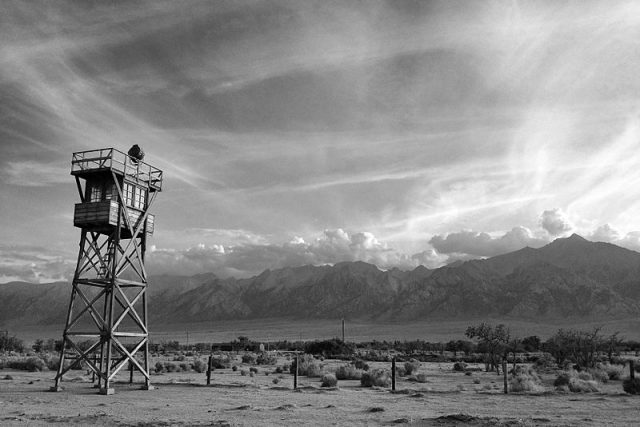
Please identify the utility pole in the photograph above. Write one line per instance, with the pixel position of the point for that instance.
(343, 330)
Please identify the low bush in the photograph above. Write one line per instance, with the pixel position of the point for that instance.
(377, 377)
(576, 382)
(459, 366)
(244, 372)
(631, 385)
(421, 378)
(562, 380)
(361, 364)
(253, 369)
(576, 385)
(544, 362)
(171, 367)
(266, 359)
(614, 372)
(309, 366)
(348, 372)
(249, 358)
(525, 379)
(159, 367)
(329, 380)
(32, 364)
(199, 366)
(234, 368)
(412, 366)
(400, 371)
(221, 362)
(598, 374)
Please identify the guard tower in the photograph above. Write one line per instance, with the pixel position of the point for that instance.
(106, 326)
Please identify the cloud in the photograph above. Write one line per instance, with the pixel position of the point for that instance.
(555, 222)
(30, 173)
(333, 246)
(483, 244)
(34, 264)
(604, 233)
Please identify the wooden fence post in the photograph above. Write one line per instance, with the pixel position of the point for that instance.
(295, 374)
(393, 374)
(504, 375)
(209, 370)
(632, 370)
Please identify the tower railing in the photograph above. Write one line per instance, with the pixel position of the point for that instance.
(115, 160)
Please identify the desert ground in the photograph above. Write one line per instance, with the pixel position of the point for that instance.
(183, 398)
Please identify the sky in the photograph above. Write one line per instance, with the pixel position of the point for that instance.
(400, 133)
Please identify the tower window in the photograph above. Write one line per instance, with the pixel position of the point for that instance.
(95, 195)
(128, 194)
(139, 198)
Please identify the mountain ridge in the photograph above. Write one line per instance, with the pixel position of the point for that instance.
(569, 277)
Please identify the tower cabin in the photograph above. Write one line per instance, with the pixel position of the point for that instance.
(110, 176)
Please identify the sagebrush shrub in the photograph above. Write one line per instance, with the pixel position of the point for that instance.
(221, 362)
(562, 380)
(159, 367)
(614, 372)
(348, 372)
(266, 359)
(412, 366)
(631, 385)
(171, 367)
(459, 366)
(577, 385)
(309, 366)
(376, 377)
(32, 364)
(421, 378)
(329, 380)
(598, 374)
(244, 372)
(400, 371)
(199, 366)
(249, 358)
(253, 369)
(525, 380)
(361, 364)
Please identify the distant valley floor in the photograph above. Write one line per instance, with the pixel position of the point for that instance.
(270, 330)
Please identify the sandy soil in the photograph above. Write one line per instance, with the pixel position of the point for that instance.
(447, 398)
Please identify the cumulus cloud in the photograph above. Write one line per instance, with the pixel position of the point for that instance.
(483, 244)
(555, 222)
(333, 246)
(34, 264)
(604, 233)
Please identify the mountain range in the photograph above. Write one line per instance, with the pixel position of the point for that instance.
(568, 278)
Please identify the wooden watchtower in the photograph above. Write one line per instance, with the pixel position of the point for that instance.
(106, 326)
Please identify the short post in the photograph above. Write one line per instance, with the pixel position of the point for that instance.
(130, 372)
(393, 374)
(295, 373)
(504, 375)
(632, 370)
(93, 373)
(209, 370)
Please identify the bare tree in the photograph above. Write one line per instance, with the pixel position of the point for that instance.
(493, 341)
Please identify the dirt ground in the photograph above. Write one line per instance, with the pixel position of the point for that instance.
(182, 398)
